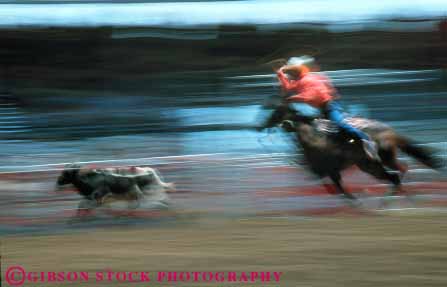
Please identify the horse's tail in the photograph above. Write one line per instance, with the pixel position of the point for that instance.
(423, 154)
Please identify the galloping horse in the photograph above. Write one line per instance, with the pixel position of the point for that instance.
(329, 151)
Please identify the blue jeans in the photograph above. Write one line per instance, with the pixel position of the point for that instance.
(334, 112)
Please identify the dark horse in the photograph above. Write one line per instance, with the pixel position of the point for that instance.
(328, 151)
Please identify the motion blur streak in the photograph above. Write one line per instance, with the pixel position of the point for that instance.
(216, 12)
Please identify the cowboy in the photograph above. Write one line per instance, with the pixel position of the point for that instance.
(316, 90)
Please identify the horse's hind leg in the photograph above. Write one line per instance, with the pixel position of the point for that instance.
(389, 159)
(377, 170)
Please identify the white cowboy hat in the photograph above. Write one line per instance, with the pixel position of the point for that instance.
(299, 61)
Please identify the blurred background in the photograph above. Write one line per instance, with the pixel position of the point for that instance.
(180, 85)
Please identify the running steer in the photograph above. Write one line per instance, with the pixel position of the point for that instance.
(95, 185)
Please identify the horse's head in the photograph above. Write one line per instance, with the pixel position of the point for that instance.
(287, 118)
(68, 174)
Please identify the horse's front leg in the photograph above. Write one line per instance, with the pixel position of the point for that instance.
(275, 118)
(352, 200)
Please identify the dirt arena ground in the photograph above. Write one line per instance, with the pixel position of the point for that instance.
(384, 249)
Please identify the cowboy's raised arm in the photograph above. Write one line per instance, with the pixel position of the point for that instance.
(285, 82)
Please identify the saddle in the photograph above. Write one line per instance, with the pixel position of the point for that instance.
(327, 126)
(330, 129)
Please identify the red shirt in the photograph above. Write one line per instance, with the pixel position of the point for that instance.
(313, 89)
